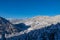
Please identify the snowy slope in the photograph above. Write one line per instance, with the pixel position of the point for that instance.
(39, 25)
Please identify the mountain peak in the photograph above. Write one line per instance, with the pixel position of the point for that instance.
(1, 18)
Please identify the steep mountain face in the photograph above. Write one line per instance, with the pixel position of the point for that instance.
(6, 27)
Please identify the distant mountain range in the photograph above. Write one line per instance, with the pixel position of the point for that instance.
(36, 28)
(38, 21)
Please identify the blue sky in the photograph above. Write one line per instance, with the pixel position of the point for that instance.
(29, 8)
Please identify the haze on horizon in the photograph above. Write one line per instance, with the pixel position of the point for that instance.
(29, 8)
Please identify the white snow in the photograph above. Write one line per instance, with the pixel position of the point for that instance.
(28, 23)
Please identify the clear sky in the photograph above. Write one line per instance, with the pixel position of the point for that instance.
(29, 8)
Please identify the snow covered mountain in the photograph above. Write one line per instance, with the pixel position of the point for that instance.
(39, 21)
(36, 28)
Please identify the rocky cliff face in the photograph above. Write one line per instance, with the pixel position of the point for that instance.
(6, 27)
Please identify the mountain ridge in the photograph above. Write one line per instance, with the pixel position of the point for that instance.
(23, 28)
